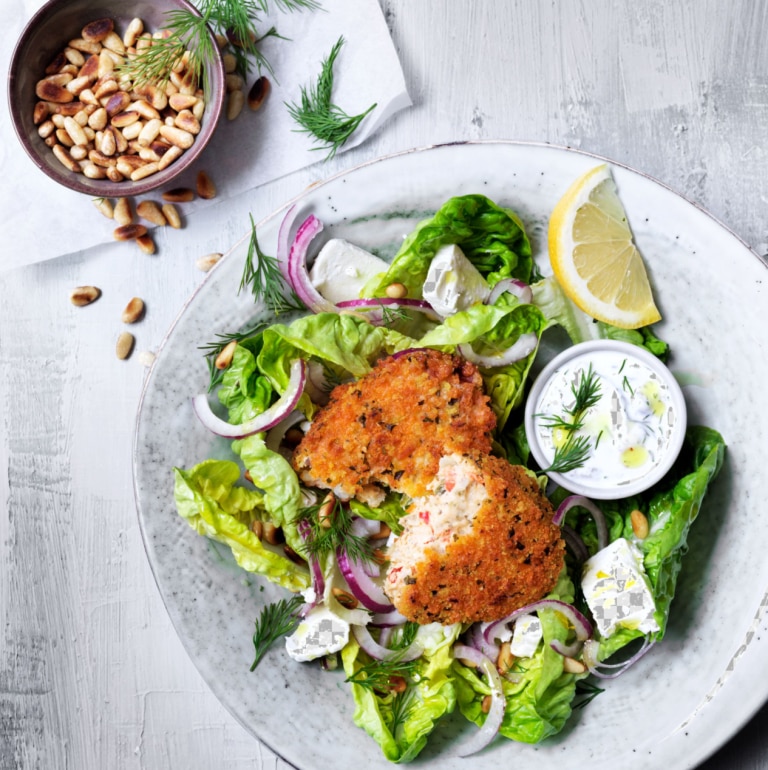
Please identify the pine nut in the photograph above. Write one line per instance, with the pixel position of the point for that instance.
(75, 131)
(129, 232)
(234, 82)
(85, 46)
(91, 170)
(98, 120)
(150, 132)
(78, 85)
(132, 131)
(207, 262)
(104, 205)
(325, 511)
(179, 195)
(235, 103)
(171, 215)
(227, 353)
(485, 705)
(64, 138)
(573, 666)
(145, 109)
(150, 211)
(639, 523)
(505, 659)
(146, 244)
(258, 93)
(40, 113)
(113, 42)
(65, 158)
(79, 153)
(181, 102)
(230, 62)
(187, 122)
(132, 32)
(144, 171)
(397, 683)
(272, 534)
(344, 598)
(117, 104)
(124, 346)
(170, 156)
(95, 31)
(84, 295)
(205, 186)
(51, 92)
(46, 129)
(73, 56)
(257, 527)
(177, 136)
(123, 211)
(134, 311)
(396, 291)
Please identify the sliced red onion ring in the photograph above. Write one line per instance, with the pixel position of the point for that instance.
(377, 652)
(584, 502)
(575, 543)
(589, 657)
(284, 240)
(375, 305)
(277, 434)
(525, 345)
(476, 638)
(263, 422)
(519, 289)
(384, 619)
(495, 715)
(315, 570)
(368, 593)
(298, 275)
(362, 527)
(581, 625)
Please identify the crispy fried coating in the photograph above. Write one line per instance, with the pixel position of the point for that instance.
(390, 428)
(447, 569)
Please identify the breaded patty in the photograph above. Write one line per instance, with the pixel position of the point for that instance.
(390, 428)
(480, 545)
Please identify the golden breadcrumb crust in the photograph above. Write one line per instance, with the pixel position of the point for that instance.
(390, 428)
(513, 556)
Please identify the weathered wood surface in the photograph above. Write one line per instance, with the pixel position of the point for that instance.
(92, 674)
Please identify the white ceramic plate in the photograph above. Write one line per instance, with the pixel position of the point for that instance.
(685, 698)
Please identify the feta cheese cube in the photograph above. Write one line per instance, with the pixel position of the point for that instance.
(453, 283)
(320, 633)
(341, 269)
(526, 637)
(616, 590)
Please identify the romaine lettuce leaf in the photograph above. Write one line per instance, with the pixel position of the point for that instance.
(208, 498)
(491, 237)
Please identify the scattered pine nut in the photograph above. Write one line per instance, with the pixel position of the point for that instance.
(573, 666)
(235, 102)
(207, 262)
(396, 291)
(258, 93)
(150, 211)
(124, 346)
(129, 232)
(344, 598)
(179, 195)
(639, 523)
(123, 212)
(134, 310)
(171, 215)
(104, 205)
(224, 359)
(146, 244)
(84, 295)
(205, 186)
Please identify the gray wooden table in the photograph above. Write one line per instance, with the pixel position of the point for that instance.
(92, 674)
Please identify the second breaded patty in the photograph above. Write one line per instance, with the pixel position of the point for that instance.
(390, 428)
(480, 545)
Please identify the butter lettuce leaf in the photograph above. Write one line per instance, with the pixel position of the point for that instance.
(401, 728)
(209, 500)
(491, 237)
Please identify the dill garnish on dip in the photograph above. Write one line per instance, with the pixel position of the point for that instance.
(605, 419)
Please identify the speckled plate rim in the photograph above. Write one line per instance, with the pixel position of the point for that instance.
(726, 698)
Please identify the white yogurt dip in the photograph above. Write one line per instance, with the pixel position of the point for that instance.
(632, 433)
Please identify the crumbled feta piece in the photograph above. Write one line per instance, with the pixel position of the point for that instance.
(320, 633)
(616, 590)
(453, 283)
(341, 269)
(527, 635)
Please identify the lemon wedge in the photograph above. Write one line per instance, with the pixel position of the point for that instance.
(594, 257)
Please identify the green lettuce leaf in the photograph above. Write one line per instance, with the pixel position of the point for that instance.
(539, 700)
(208, 498)
(244, 391)
(426, 700)
(491, 237)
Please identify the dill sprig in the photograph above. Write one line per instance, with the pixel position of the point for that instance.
(574, 451)
(334, 533)
(378, 674)
(189, 31)
(275, 621)
(391, 315)
(402, 705)
(212, 350)
(265, 279)
(319, 116)
(587, 689)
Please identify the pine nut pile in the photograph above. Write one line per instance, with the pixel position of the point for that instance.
(98, 124)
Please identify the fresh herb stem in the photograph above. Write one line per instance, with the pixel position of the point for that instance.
(212, 349)
(262, 274)
(318, 116)
(275, 621)
(334, 533)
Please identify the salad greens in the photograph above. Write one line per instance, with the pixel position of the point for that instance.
(400, 698)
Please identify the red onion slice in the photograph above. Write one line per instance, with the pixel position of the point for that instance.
(263, 422)
(385, 619)
(519, 289)
(298, 275)
(377, 652)
(374, 307)
(495, 715)
(581, 625)
(572, 501)
(365, 590)
(591, 648)
(525, 345)
(315, 570)
(275, 437)
(284, 240)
